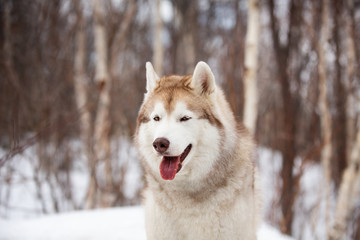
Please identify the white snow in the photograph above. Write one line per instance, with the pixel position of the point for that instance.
(117, 223)
(22, 215)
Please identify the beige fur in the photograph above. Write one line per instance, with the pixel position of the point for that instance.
(214, 195)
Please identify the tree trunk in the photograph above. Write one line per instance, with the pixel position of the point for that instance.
(81, 97)
(288, 118)
(102, 121)
(339, 158)
(348, 193)
(350, 185)
(350, 75)
(251, 50)
(185, 18)
(120, 36)
(325, 117)
(157, 43)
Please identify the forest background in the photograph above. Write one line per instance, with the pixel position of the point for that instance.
(72, 78)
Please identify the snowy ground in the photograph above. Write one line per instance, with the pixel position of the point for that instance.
(118, 223)
(19, 201)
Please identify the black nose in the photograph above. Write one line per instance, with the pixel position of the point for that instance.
(161, 145)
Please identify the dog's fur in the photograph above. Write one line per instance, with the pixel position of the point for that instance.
(213, 195)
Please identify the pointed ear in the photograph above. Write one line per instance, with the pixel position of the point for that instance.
(151, 77)
(203, 80)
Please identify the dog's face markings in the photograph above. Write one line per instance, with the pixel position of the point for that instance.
(172, 136)
(175, 119)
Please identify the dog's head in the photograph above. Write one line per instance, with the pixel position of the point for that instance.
(178, 128)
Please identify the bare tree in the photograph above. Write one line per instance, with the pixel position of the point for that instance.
(350, 183)
(339, 116)
(157, 42)
(81, 96)
(348, 193)
(251, 50)
(325, 117)
(288, 117)
(350, 74)
(120, 35)
(102, 120)
(185, 21)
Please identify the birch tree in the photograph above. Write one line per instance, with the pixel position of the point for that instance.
(80, 79)
(81, 97)
(325, 118)
(349, 192)
(157, 42)
(185, 22)
(350, 73)
(350, 185)
(103, 81)
(251, 50)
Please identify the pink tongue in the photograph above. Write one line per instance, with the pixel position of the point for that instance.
(169, 167)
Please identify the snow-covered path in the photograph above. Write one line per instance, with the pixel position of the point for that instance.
(116, 223)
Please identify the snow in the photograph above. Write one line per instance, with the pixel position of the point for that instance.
(19, 198)
(19, 193)
(116, 223)
(20, 207)
(309, 206)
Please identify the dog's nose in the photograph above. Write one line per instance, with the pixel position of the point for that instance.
(161, 145)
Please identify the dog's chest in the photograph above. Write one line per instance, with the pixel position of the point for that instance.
(205, 220)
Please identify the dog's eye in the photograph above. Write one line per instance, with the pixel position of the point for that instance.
(156, 118)
(185, 118)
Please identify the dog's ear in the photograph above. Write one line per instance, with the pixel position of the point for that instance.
(151, 77)
(203, 80)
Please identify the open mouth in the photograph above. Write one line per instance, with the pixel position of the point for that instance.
(170, 165)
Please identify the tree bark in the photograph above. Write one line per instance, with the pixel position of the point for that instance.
(81, 97)
(185, 19)
(350, 184)
(339, 158)
(350, 74)
(251, 50)
(288, 131)
(348, 193)
(102, 120)
(157, 42)
(325, 117)
(120, 35)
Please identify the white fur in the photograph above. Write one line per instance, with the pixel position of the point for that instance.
(151, 77)
(198, 132)
(176, 209)
(203, 221)
(203, 76)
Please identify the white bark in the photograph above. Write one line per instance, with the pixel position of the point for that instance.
(80, 83)
(81, 97)
(101, 74)
(350, 74)
(157, 42)
(251, 53)
(350, 185)
(348, 193)
(325, 117)
(102, 121)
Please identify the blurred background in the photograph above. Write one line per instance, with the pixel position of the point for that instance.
(72, 78)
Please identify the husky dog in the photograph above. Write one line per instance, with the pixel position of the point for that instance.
(197, 161)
